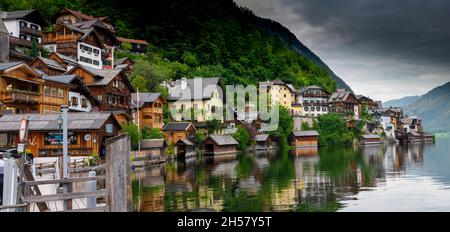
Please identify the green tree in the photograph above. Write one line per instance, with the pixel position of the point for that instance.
(200, 136)
(285, 126)
(333, 131)
(152, 133)
(213, 125)
(34, 48)
(135, 136)
(242, 137)
(305, 126)
(126, 46)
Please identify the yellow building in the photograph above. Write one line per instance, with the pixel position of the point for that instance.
(200, 95)
(279, 92)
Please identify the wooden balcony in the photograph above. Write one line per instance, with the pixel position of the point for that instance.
(19, 96)
(31, 31)
(152, 110)
(19, 42)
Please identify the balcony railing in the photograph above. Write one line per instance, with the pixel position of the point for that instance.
(31, 31)
(20, 42)
(15, 95)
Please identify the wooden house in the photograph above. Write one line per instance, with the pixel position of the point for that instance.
(175, 131)
(48, 66)
(80, 98)
(219, 145)
(370, 139)
(137, 46)
(263, 142)
(23, 26)
(370, 104)
(87, 133)
(148, 109)
(23, 90)
(345, 103)
(185, 148)
(153, 148)
(111, 87)
(124, 63)
(66, 62)
(301, 139)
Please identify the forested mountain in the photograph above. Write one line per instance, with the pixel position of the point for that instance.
(402, 102)
(202, 38)
(433, 108)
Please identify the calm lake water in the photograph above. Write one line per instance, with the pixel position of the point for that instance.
(380, 178)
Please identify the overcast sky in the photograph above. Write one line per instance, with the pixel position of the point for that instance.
(384, 49)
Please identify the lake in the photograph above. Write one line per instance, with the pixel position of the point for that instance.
(378, 178)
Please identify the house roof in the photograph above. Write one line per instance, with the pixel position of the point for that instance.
(77, 14)
(305, 133)
(186, 142)
(176, 126)
(223, 140)
(48, 122)
(30, 15)
(340, 96)
(144, 98)
(67, 59)
(152, 143)
(5, 66)
(406, 120)
(51, 63)
(261, 137)
(136, 41)
(64, 79)
(105, 75)
(370, 136)
(196, 89)
(121, 60)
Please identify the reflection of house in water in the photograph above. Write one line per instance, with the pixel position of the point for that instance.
(402, 156)
(250, 185)
(307, 151)
(151, 184)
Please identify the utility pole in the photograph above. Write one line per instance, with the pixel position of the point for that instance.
(138, 119)
(23, 137)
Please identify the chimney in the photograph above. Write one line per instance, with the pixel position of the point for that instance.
(4, 42)
(183, 83)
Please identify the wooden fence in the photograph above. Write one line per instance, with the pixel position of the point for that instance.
(112, 188)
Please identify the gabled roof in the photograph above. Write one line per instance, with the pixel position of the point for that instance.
(370, 136)
(261, 137)
(104, 76)
(65, 58)
(135, 41)
(177, 126)
(63, 79)
(196, 89)
(152, 143)
(186, 142)
(30, 15)
(77, 14)
(312, 87)
(144, 98)
(5, 66)
(305, 133)
(50, 63)
(121, 60)
(341, 96)
(48, 122)
(222, 140)
(72, 79)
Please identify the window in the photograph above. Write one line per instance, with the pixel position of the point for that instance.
(34, 26)
(99, 97)
(23, 24)
(53, 92)
(60, 93)
(22, 36)
(318, 108)
(46, 91)
(96, 51)
(74, 101)
(306, 108)
(85, 60)
(96, 62)
(84, 103)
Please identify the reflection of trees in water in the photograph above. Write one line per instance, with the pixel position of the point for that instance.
(270, 182)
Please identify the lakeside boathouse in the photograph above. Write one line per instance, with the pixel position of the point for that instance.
(87, 132)
(304, 139)
(370, 139)
(219, 145)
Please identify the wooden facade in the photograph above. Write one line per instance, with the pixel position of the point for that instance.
(24, 91)
(51, 70)
(304, 139)
(111, 87)
(150, 113)
(219, 145)
(175, 131)
(370, 140)
(82, 142)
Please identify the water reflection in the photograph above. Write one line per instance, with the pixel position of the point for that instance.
(324, 180)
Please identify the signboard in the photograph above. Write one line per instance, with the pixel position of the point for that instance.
(20, 148)
(23, 130)
(56, 138)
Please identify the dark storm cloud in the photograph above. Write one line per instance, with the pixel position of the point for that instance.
(415, 30)
(383, 48)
